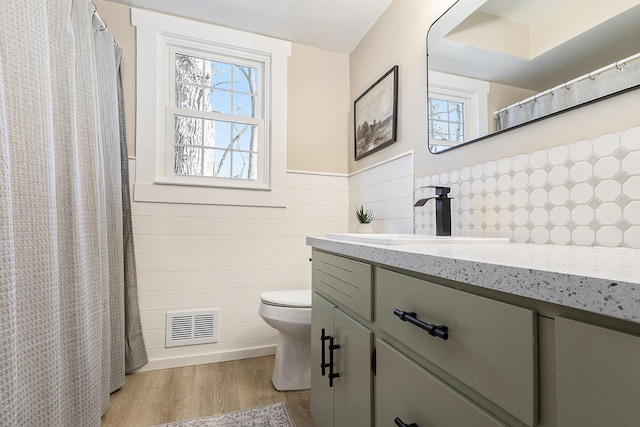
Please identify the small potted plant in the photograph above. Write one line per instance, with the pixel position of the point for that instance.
(364, 218)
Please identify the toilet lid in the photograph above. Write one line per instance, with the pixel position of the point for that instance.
(299, 298)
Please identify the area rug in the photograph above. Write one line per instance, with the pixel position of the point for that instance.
(275, 415)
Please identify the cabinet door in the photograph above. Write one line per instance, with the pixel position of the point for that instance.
(353, 392)
(406, 391)
(322, 312)
(598, 376)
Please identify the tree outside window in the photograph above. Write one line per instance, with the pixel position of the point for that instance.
(446, 120)
(216, 119)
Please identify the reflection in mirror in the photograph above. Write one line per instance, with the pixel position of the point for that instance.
(494, 65)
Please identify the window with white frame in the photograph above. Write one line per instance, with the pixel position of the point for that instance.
(217, 117)
(455, 110)
(211, 113)
(446, 121)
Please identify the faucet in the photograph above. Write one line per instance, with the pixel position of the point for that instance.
(443, 209)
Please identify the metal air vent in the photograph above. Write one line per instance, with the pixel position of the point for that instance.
(191, 327)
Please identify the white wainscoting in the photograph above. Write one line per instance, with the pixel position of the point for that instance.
(387, 189)
(204, 256)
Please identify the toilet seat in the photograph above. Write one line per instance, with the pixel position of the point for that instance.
(294, 299)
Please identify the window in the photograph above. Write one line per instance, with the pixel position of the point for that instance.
(217, 117)
(446, 122)
(211, 113)
(454, 109)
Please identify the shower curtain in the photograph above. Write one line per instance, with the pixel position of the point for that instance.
(588, 89)
(68, 307)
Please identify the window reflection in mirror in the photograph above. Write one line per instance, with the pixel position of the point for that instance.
(496, 65)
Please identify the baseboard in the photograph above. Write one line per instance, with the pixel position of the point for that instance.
(200, 359)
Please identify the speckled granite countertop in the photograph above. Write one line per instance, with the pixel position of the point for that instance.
(596, 279)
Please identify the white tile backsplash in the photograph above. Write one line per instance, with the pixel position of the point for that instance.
(586, 193)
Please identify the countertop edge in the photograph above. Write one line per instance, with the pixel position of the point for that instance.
(618, 299)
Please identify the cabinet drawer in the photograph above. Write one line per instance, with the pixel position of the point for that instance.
(412, 394)
(344, 280)
(491, 346)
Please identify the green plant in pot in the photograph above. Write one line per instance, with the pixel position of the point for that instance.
(364, 217)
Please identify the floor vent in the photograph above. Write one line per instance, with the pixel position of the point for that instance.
(191, 327)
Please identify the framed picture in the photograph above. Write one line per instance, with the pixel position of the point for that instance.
(375, 115)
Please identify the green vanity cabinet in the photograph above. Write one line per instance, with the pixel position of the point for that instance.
(491, 346)
(322, 325)
(408, 392)
(439, 353)
(341, 346)
(346, 399)
(344, 280)
(597, 376)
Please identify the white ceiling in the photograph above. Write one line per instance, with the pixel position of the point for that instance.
(613, 39)
(525, 12)
(334, 25)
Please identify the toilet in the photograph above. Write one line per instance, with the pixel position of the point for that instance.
(290, 313)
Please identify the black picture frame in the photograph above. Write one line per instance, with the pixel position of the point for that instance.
(375, 115)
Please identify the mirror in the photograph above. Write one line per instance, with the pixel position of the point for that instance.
(494, 65)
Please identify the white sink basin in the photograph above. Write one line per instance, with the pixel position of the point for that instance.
(413, 239)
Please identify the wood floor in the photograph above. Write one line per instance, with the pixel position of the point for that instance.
(157, 397)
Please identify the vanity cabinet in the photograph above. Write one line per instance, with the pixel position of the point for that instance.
(487, 346)
(490, 346)
(410, 394)
(597, 375)
(453, 354)
(341, 346)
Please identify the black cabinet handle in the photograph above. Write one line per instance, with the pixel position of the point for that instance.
(332, 374)
(433, 330)
(399, 423)
(323, 364)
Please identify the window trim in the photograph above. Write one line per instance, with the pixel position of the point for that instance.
(156, 35)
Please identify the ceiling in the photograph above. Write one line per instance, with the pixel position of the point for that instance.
(525, 12)
(334, 25)
(611, 40)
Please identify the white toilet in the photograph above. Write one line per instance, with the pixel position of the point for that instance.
(290, 313)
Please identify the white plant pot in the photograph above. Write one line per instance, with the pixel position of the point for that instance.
(364, 228)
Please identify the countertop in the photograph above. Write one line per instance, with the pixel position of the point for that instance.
(595, 279)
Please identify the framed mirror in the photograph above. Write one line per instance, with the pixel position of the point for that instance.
(495, 65)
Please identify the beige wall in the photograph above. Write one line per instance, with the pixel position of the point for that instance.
(502, 95)
(318, 110)
(399, 38)
(318, 101)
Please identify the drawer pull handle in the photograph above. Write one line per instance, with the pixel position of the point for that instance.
(440, 331)
(323, 364)
(332, 374)
(399, 423)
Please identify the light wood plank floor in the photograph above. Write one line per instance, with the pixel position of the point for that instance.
(157, 397)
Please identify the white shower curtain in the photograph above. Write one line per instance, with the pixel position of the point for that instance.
(63, 281)
(586, 90)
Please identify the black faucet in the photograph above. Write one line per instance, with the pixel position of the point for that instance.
(443, 209)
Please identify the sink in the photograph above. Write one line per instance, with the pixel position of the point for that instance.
(414, 239)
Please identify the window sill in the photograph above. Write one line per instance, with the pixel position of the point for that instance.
(167, 193)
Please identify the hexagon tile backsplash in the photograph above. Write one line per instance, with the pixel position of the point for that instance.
(586, 193)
